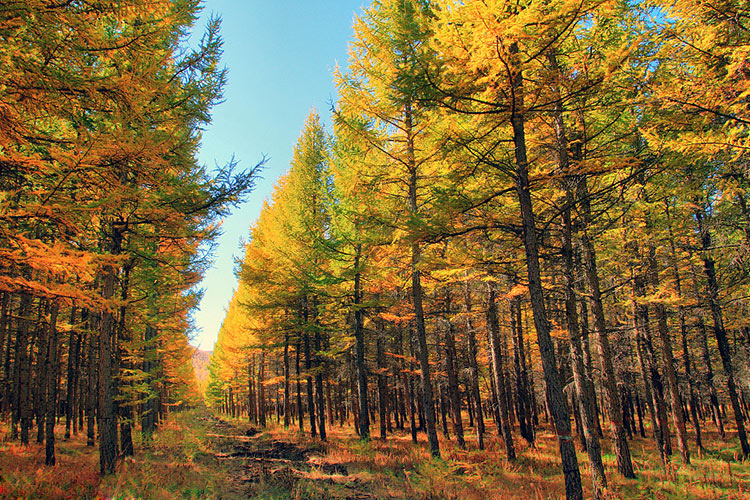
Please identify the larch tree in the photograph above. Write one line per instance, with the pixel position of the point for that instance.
(116, 109)
(380, 103)
(702, 114)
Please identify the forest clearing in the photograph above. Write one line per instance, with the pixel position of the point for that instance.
(513, 261)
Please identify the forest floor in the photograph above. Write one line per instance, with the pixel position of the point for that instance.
(197, 454)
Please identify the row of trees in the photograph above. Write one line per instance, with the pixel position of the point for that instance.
(104, 213)
(520, 203)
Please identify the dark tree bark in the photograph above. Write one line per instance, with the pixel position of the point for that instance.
(588, 363)
(352, 388)
(74, 339)
(669, 364)
(428, 399)
(300, 408)
(498, 370)
(310, 400)
(6, 304)
(124, 408)
(286, 380)
(383, 405)
(252, 406)
(81, 380)
(639, 412)
(709, 268)
(92, 378)
(9, 386)
(495, 407)
(443, 406)
(614, 406)
(651, 378)
(148, 417)
(627, 404)
(107, 418)
(320, 400)
(22, 375)
(359, 335)
(524, 399)
(41, 376)
(261, 389)
(556, 398)
(686, 356)
(329, 405)
(708, 378)
(409, 381)
(474, 368)
(77, 404)
(451, 363)
(584, 393)
(52, 366)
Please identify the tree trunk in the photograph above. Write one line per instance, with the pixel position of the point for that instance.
(354, 396)
(409, 381)
(107, 418)
(320, 400)
(474, 368)
(5, 307)
(588, 363)
(124, 408)
(300, 408)
(584, 387)
(686, 357)
(614, 406)
(556, 398)
(493, 390)
(286, 380)
(41, 377)
(706, 356)
(359, 335)
(92, 385)
(382, 383)
(77, 374)
(720, 333)
(493, 331)
(669, 365)
(310, 400)
(252, 414)
(428, 399)
(52, 365)
(524, 400)
(443, 405)
(261, 389)
(8, 370)
(453, 390)
(23, 375)
(651, 378)
(148, 417)
(329, 405)
(71, 369)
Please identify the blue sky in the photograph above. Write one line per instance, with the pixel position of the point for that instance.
(281, 56)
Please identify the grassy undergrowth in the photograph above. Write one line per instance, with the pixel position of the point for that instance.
(397, 469)
(192, 457)
(177, 464)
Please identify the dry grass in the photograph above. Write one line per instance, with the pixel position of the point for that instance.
(24, 475)
(185, 461)
(174, 466)
(398, 469)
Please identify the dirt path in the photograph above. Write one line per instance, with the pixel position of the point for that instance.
(260, 465)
